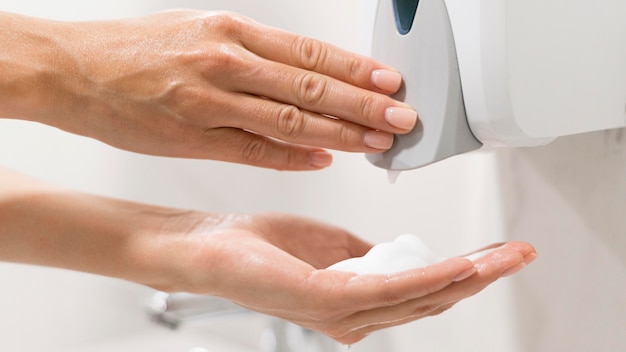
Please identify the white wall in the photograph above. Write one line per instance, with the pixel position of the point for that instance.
(569, 200)
(456, 205)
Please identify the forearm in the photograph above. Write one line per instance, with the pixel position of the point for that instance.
(44, 225)
(31, 67)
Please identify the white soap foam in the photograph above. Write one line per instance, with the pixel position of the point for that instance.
(404, 253)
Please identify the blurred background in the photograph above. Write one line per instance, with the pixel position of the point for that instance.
(568, 199)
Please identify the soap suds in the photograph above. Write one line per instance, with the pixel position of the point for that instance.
(406, 252)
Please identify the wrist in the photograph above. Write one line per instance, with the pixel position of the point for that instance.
(155, 246)
(172, 250)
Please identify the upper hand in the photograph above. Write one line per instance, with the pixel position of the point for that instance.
(221, 86)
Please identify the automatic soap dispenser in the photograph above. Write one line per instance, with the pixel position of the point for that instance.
(501, 72)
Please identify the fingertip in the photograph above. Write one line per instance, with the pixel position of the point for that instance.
(526, 250)
(513, 270)
(465, 274)
(378, 140)
(386, 80)
(505, 259)
(320, 159)
(530, 257)
(401, 117)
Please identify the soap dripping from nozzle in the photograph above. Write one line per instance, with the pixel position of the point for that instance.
(392, 176)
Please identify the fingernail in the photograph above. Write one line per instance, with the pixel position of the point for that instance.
(387, 80)
(514, 269)
(401, 117)
(378, 139)
(529, 258)
(464, 275)
(320, 159)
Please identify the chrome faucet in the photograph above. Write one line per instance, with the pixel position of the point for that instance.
(172, 310)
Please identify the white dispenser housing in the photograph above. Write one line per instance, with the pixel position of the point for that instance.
(501, 72)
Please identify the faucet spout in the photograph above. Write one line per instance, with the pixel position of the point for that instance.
(173, 309)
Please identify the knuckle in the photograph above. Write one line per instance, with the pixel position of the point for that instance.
(311, 53)
(391, 298)
(254, 150)
(367, 104)
(424, 310)
(439, 310)
(311, 88)
(292, 160)
(216, 60)
(345, 137)
(356, 70)
(224, 58)
(223, 22)
(182, 99)
(290, 122)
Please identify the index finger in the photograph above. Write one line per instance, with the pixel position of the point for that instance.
(314, 55)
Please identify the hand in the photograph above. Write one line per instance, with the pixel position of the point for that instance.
(213, 86)
(270, 263)
(274, 264)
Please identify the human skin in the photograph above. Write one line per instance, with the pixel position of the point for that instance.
(270, 263)
(194, 84)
